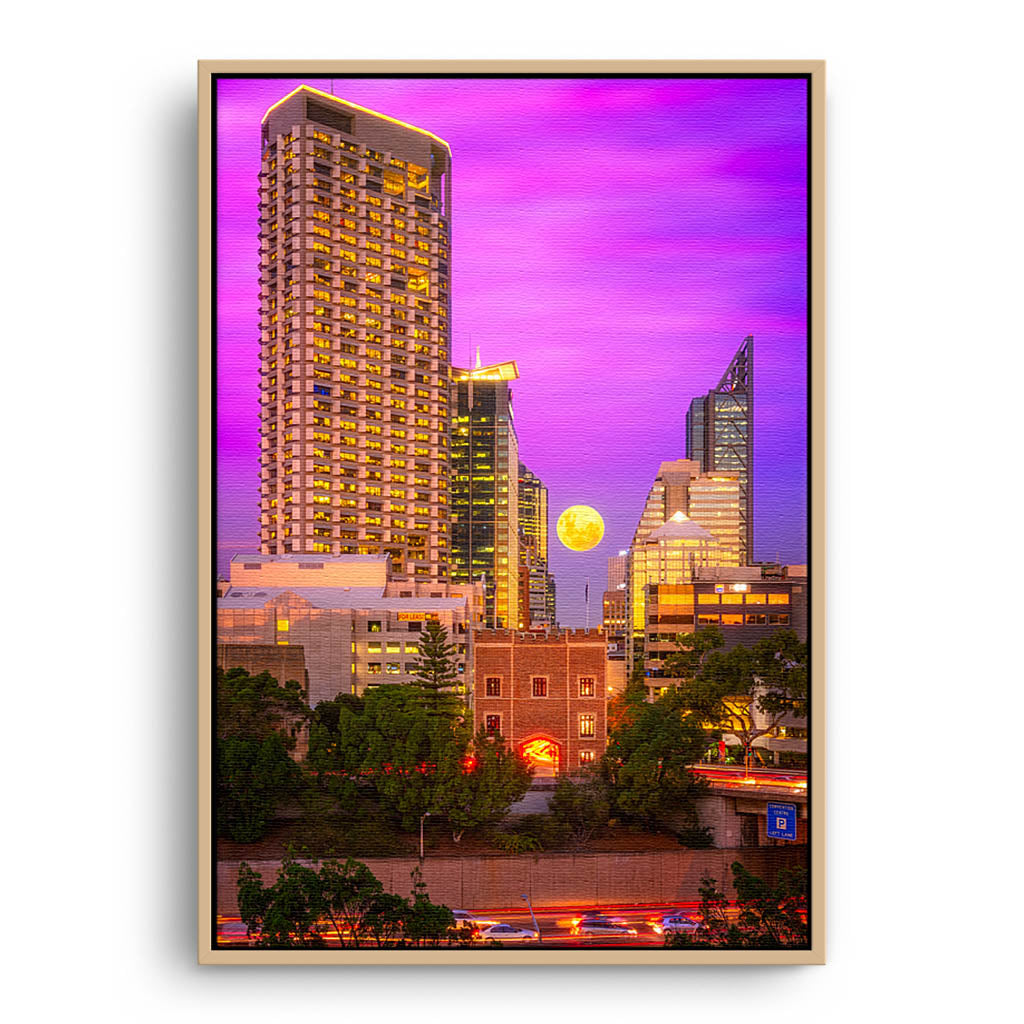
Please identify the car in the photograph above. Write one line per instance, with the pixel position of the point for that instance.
(467, 919)
(598, 924)
(508, 933)
(672, 923)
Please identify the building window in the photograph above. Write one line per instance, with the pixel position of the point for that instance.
(586, 687)
(586, 757)
(373, 668)
(540, 686)
(756, 598)
(492, 687)
(732, 620)
(393, 668)
(587, 726)
(756, 620)
(282, 625)
(373, 626)
(492, 723)
(707, 620)
(778, 598)
(778, 620)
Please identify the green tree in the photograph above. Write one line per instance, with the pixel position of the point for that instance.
(435, 668)
(580, 808)
(477, 790)
(258, 723)
(285, 915)
(766, 916)
(745, 692)
(646, 765)
(427, 923)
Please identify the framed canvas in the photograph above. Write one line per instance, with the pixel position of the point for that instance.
(511, 479)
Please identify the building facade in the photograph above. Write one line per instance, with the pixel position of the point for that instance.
(485, 488)
(355, 309)
(357, 626)
(546, 694)
(720, 435)
(746, 605)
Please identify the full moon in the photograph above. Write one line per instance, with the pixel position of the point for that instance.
(580, 528)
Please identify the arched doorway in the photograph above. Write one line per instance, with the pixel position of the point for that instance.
(542, 755)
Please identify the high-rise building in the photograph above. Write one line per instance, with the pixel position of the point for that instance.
(485, 488)
(710, 499)
(617, 569)
(720, 435)
(671, 554)
(707, 501)
(354, 335)
(533, 530)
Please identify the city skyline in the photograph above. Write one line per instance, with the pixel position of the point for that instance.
(643, 266)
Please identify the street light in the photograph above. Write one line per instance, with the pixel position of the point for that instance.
(532, 917)
(425, 814)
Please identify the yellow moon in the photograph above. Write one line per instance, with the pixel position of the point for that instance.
(580, 528)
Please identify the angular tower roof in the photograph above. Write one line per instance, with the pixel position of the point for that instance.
(679, 527)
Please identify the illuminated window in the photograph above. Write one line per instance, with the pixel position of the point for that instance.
(373, 668)
(586, 757)
(732, 620)
(778, 598)
(493, 686)
(588, 726)
(707, 599)
(282, 625)
(586, 687)
(492, 723)
(756, 598)
(732, 599)
(393, 668)
(373, 626)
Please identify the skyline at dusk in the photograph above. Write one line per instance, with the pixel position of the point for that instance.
(618, 238)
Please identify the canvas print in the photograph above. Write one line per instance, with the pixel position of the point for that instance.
(512, 614)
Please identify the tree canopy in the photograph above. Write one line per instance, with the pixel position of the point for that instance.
(746, 691)
(257, 723)
(343, 901)
(415, 758)
(650, 747)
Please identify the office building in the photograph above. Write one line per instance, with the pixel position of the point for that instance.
(618, 567)
(533, 532)
(354, 210)
(485, 488)
(744, 603)
(671, 554)
(720, 435)
(357, 624)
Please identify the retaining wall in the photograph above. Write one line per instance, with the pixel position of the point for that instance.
(552, 879)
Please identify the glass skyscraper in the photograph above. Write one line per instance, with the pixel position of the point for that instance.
(720, 435)
(485, 489)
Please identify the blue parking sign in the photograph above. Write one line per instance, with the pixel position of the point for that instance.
(782, 821)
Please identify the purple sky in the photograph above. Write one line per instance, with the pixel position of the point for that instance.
(617, 238)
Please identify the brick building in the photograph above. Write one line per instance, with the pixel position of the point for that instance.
(546, 694)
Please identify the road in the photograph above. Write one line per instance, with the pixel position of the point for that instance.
(556, 924)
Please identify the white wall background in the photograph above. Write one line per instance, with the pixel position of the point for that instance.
(924, 517)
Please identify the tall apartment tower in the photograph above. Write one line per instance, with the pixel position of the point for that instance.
(485, 489)
(533, 529)
(354, 335)
(720, 435)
